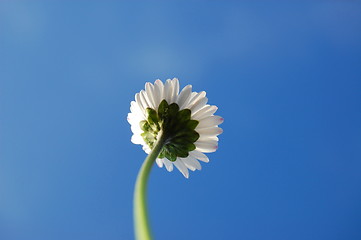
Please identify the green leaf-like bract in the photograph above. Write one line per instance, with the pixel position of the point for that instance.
(177, 126)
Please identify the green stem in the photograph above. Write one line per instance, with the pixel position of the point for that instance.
(141, 222)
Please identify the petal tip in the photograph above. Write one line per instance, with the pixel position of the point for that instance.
(158, 81)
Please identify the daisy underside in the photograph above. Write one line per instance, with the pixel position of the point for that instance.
(186, 121)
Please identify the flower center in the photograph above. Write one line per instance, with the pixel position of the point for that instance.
(177, 128)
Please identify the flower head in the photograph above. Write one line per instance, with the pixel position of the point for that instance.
(185, 120)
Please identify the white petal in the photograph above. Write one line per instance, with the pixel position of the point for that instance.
(149, 89)
(184, 96)
(175, 90)
(181, 167)
(210, 121)
(136, 129)
(146, 149)
(134, 119)
(193, 94)
(139, 102)
(134, 108)
(168, 90)
(206, 146)
(203, 138)
(168, 164)
(145, 101)
(195, 99)
(199, 104)
(206, 111)
(137, 139)
(159, 162)
(199, 155)
(158, 92)
(129, 118)
(192, 163)
(212, 131)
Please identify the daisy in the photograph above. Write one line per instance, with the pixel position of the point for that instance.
(179, 123)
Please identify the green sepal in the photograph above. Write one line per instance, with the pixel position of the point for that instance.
(153, 119)
(180, 150)
(149, 138)
(162, 154)
(178, 129)
(151, 116)
(184, 115)
(192, 124)
(163, 109)
(173, 110)
(170, 153)
(190, 135)
(144, 125)
(191, 147)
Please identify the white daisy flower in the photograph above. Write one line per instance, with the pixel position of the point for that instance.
(184, 118)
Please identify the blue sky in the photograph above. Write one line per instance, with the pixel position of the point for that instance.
(286, 78)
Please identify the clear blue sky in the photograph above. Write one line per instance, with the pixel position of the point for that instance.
(286, 78)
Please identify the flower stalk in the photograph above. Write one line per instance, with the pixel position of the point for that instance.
(141, 220)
